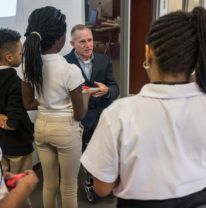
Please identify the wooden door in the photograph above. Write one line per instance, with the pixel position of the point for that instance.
(141, 19)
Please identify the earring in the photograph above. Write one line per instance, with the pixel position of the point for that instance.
(146, 65)
(193, 73)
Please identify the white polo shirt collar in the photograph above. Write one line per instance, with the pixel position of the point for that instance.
(166, 91)
(4, 67)
(82, 60)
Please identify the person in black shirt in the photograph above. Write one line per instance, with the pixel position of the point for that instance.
(16, 132)
(97, 71)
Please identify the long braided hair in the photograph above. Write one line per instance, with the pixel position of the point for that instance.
(45, 26)
(178, 40)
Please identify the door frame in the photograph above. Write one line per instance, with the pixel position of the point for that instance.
(124, 46)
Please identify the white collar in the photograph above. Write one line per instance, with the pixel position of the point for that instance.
(164, 91)
(81, 59)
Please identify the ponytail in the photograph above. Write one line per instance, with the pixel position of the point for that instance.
(45, 26)
(199, 15)
(33, 61)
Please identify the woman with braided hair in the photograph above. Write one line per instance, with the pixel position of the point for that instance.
(150, 149)
(61, 105)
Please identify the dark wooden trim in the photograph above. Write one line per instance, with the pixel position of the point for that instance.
(116, 8)
(141, 18)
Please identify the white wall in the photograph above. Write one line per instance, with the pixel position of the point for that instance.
(73, 9)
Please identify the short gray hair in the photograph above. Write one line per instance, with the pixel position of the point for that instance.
(79, 27)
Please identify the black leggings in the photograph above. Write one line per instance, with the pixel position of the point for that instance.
(190, 201)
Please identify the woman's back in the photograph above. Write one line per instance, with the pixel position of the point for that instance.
(58, 85)
(59, 79)
(153, 145)
(160, 147)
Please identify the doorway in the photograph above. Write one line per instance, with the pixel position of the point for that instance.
(103, 17)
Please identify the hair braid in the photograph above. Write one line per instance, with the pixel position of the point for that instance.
(200, 23)
(33, 62)
(173, 39)
(50, 24)
(179, 43)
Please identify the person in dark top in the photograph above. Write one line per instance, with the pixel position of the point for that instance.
(97, 70)
(16, 132)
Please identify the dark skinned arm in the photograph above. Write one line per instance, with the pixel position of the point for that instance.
(17, 196)
(29, 101)
(103, 189)
(79, 102)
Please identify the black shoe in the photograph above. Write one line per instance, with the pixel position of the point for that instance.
(91, 196)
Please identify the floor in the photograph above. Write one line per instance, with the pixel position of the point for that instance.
(36, 196)
(108, 202)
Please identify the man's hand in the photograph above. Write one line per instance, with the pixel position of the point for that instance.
(102, 89)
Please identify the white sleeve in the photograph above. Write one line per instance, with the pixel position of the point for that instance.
(75, 77)
(101, 155)
(3, 189)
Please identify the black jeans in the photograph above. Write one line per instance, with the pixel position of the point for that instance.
(190, 201)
